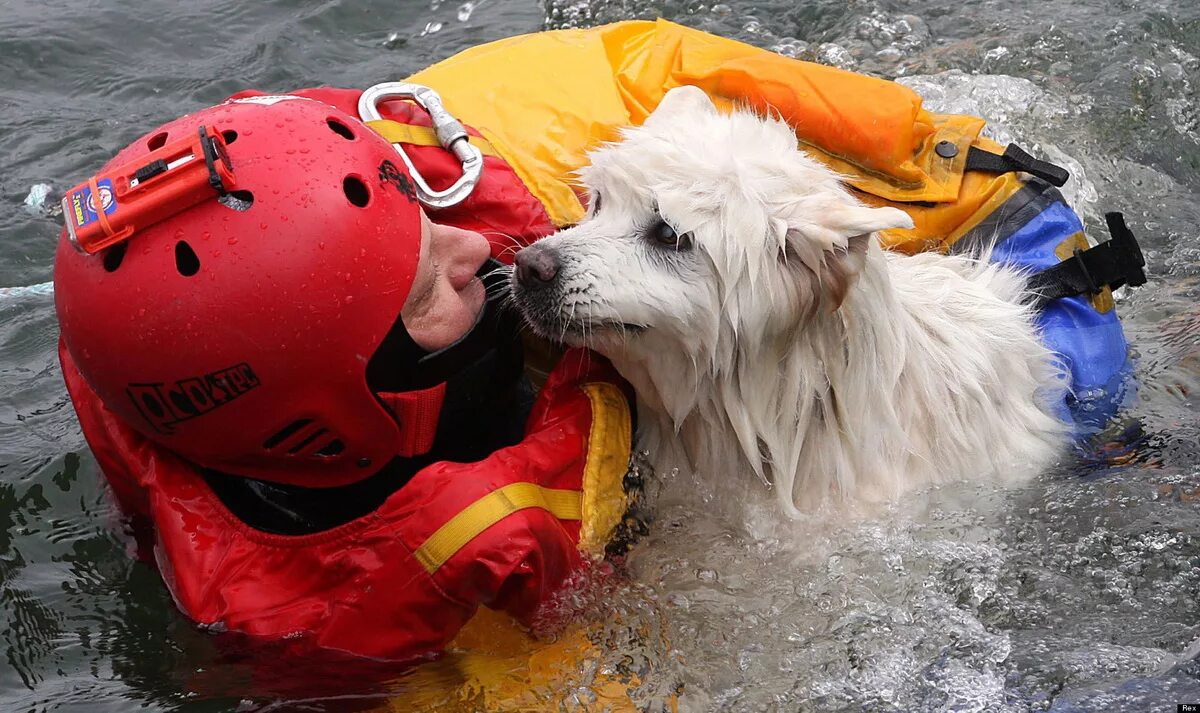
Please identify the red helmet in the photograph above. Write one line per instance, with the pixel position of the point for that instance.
(237, 331)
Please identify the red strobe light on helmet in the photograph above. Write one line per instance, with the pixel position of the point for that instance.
(110, 206)
(237, 332)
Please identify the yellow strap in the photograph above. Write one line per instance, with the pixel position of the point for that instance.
(491, 509)
(609, 445)
(398, 133)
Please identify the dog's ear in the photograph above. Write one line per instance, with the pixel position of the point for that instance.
(686, 101)
(851, 219)
(835, 248)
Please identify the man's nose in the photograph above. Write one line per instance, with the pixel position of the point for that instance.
(536, 267)
(458, 252)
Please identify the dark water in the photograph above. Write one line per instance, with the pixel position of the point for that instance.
(1077, 592)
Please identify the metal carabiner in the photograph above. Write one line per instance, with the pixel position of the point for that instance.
(450, 132)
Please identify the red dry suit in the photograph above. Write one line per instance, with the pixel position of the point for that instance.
(399, 582)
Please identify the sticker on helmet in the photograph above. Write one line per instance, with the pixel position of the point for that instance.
(166, 405)
(267, 100)
(388, 173)
(82, 203)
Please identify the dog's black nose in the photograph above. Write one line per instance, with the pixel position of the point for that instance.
(536, 267)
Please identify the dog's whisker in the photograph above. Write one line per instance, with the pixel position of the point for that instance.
(516, 244)
(510, 251)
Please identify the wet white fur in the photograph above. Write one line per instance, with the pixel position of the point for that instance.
(786, 343)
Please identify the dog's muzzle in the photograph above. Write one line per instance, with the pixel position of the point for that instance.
(535, 289)
(538, 292)
(537, 267)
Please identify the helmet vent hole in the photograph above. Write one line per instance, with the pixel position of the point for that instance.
(286, 432)
(157, 141)
(304, 444)
(237, 200)
(340, 129)
(356, 191)
(185, 259)
(114, 256)
(331, 449)
(229, 135)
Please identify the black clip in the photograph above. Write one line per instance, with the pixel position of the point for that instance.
(1015, 158)
(1128, 252)
(212, 152)
(150, 170)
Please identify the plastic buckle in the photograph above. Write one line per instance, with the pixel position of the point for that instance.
(1128, 252)
(1024, 161)
(452, 135)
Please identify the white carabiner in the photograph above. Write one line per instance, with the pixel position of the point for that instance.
(452, 135)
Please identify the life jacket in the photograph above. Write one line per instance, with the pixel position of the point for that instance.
(962, 190)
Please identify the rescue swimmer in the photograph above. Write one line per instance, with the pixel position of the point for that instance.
(324, 455)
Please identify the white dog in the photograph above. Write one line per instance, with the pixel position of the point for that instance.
(741, 290)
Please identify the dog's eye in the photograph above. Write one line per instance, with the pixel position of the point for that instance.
(663, 234)
(594, 204)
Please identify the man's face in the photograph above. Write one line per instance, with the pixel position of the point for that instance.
(446, 296)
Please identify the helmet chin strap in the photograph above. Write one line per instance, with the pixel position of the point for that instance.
(415, 384)
(441, 365)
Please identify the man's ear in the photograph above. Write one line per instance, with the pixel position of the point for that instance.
(834, 247)
(681, 104)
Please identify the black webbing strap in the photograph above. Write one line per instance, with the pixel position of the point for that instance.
(1113, 263)
(1014, 158)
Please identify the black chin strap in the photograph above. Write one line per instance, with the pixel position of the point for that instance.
(400, 364)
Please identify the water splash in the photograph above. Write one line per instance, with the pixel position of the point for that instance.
(1016, 110)
(41, 201)
(466, 9)
(43, 289)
